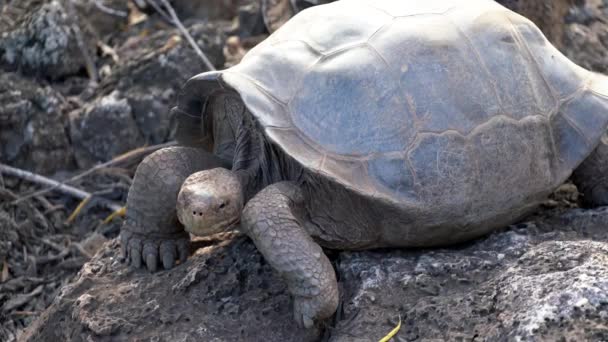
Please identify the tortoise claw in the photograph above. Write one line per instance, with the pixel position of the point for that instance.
(137, 250)
(168, 254)
(304, 311)
(150, 254)
(124, 242)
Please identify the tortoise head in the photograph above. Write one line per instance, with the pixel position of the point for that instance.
(210, 201)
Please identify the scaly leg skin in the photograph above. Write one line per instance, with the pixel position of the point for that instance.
(151, 232)
(591, 177)
(269, 220)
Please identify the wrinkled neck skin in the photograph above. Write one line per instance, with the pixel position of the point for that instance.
(256, 162)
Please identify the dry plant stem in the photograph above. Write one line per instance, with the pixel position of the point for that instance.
(25, 313)
(109, 10)
(46, 259)
(53, 245)
(89, 63)
(184, 31)
(70, 190)
(122, 212)
(161, 11)
(78, 209)
(134, 154)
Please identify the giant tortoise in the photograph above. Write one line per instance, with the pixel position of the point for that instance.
(371, 123)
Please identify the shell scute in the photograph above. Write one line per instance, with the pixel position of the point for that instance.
(521, 87)
(409, 8)
(437, 101)
(438, 74)
(332, 27)
(269, 68)
(575, 127)
(351, 104)
(442, 164)
(564, 76)
(392, 175)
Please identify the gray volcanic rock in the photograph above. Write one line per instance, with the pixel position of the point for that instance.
(103, 16)
(161, 66)
(102, 130)
(225, 292)
(588, 44)
(542, 280)
(32, 132)
(41, 41)
(155, 68)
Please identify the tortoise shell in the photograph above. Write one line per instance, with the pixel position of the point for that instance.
(442, 102)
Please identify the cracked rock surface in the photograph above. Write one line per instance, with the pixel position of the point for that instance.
(43, 42)
(225, 292)
(541, 280)
(102, 130)
(32, 117)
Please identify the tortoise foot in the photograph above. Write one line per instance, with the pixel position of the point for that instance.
(152, 251)
(310, 309)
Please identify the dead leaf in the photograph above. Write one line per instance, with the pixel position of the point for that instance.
(135, 15)
(172, 42)
(5, 275)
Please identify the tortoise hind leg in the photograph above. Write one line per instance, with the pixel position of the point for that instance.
(151, 231)
(591, 177)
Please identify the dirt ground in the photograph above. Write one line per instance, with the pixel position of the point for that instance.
(89, 83)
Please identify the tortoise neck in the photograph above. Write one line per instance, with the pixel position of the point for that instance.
(257, 162)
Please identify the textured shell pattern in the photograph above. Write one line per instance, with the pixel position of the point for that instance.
(412, 101)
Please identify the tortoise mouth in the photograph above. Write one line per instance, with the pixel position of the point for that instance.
(200, 229)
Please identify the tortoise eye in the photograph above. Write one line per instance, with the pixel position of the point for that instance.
(224, 204)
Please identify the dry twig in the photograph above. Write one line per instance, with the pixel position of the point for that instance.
(69, 190)
(102, 7)
(121, 212)
(78, 210)
(175, 21)
(88, 60)
(161, 11)
(133, 154)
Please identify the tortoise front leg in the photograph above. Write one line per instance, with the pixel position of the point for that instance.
(591, 177)
(151, 232)
(270, 222)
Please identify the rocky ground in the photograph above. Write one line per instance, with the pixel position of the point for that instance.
(82, 82)
(545, 279)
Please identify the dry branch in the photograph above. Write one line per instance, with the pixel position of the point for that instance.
(175, 21)
(133, 154)
(161, 11)
(109, 10)
(66, 189)
(88, 60)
